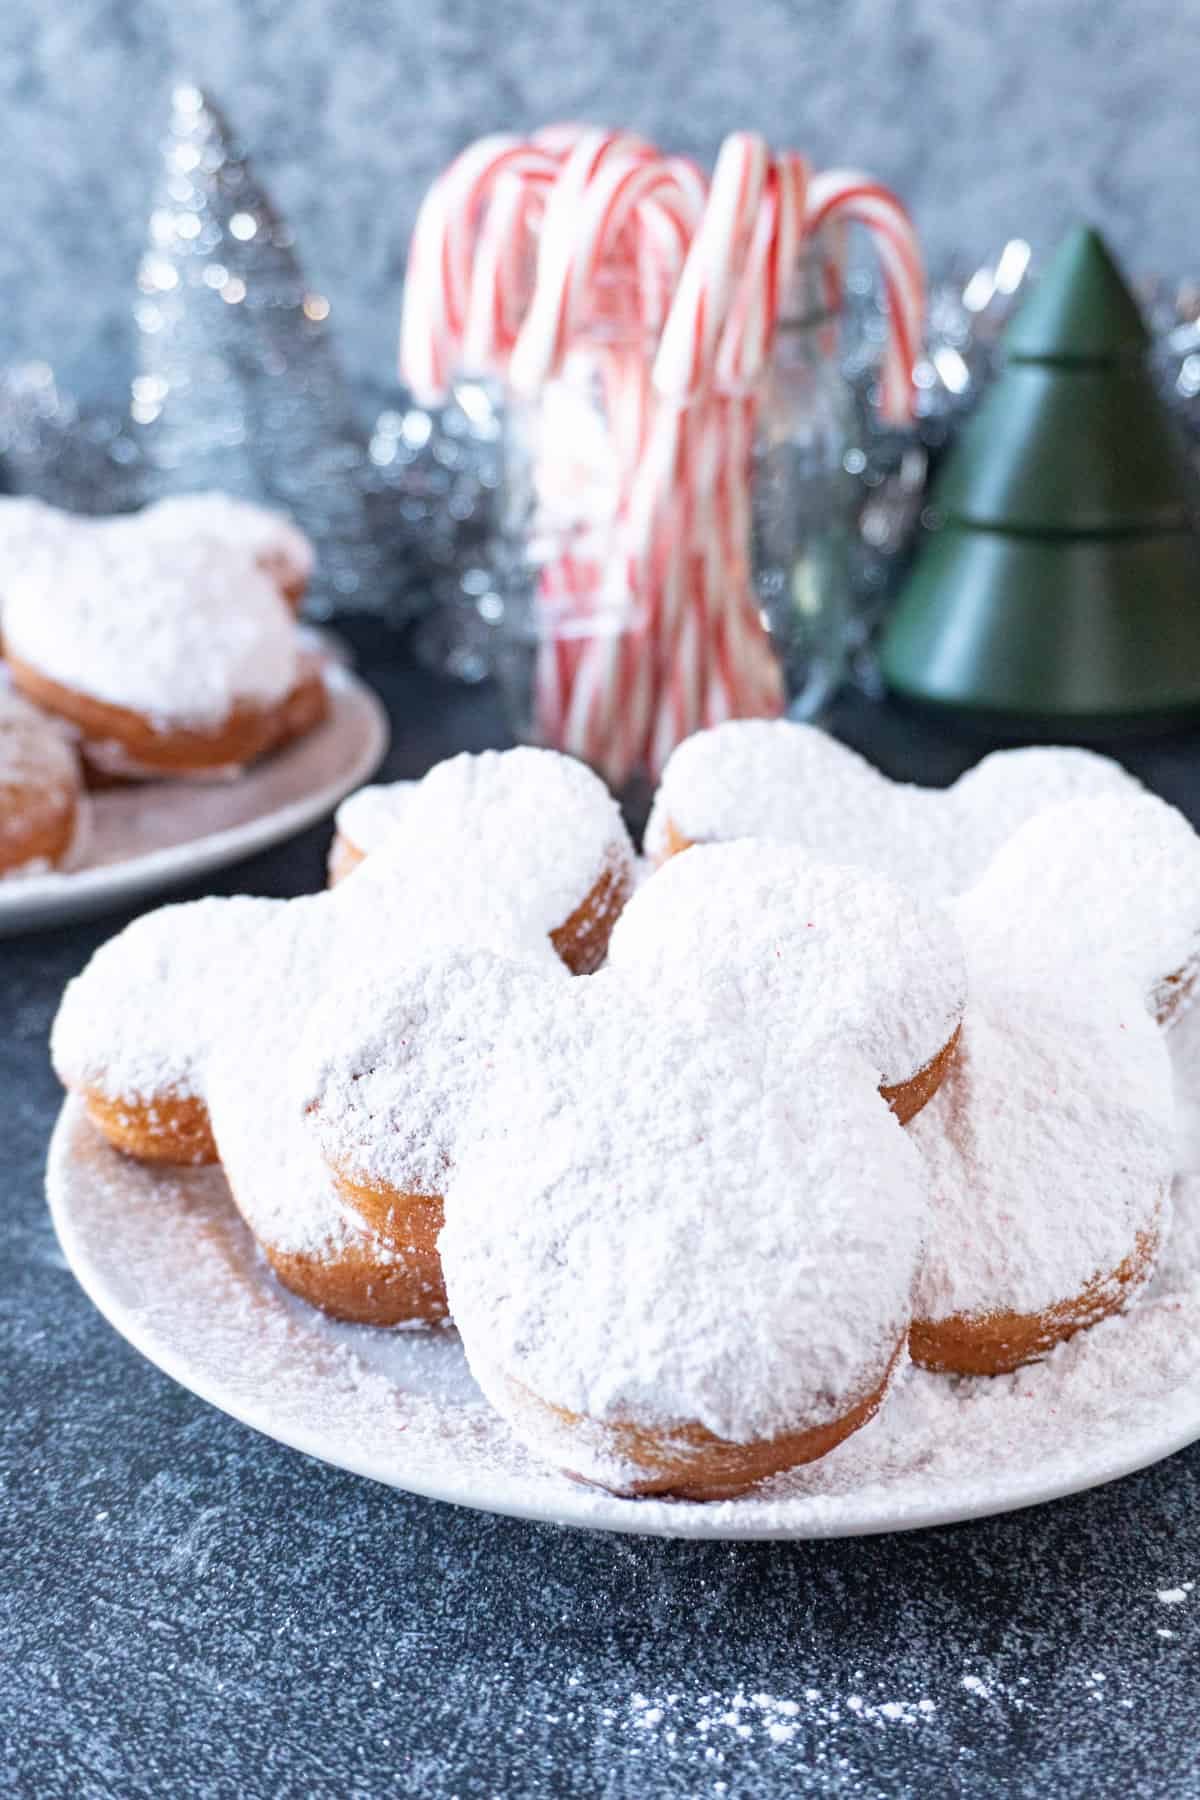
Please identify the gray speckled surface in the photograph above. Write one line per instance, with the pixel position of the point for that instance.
(187, 1609)
(990, 121)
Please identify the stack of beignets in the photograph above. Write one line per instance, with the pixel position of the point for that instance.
(691, 1215)
(163, 642)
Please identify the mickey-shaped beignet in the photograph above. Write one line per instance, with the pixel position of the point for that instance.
(278, 546)
(135, 1032)
(835, 954)
(682, 1222)
(175, 1036)
(167, 658)
(177, 1033)
(1050, 1144)
(795, 939)
(1049, 1154)
(500, 802)
(795, 784)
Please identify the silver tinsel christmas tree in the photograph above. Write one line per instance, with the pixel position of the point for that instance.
(238, 385)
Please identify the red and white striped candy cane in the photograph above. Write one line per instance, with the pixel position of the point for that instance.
(437, 293)
(502, 272)
(683, 373)
(842, 195)
(619, 210)
(608, 183)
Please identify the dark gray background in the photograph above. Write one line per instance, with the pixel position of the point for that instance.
(990, 120)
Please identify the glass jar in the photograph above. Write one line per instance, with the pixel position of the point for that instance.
(803, 506)
(582, 609)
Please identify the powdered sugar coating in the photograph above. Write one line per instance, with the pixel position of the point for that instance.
(276, 542)
(391, 1073)
(321, 952)
(673, 1223)
(1050, 1142)
(1104, 891)
(437, 893)
(543, 825)
(1049, 1153)
(29, 530)
(208, 999)
(651, 1212)
(365, 819)
(818, 950)
(178, 633)
(662, 1206)
(144, 1015)
(142, 1020)
(535, 1124)
(39, 770)
(282, 1187)
(780, 780)
(403, 1407)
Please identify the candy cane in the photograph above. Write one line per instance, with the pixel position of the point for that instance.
(683, 370)
(845, 195)
(606, 180)
(437, 295)
(497, 294)
(701, 627)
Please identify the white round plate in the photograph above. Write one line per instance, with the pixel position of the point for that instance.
(152, 835)
(168, 1261)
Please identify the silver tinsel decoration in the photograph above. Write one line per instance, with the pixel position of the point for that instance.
(442, 470)
(84, 462)
(238, 386)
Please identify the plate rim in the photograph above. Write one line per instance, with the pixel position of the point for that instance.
(1139, 1452)
(91, 892)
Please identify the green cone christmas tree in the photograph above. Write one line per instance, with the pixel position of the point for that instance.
(1061, 584)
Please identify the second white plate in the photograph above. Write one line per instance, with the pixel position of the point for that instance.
(152, 835)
